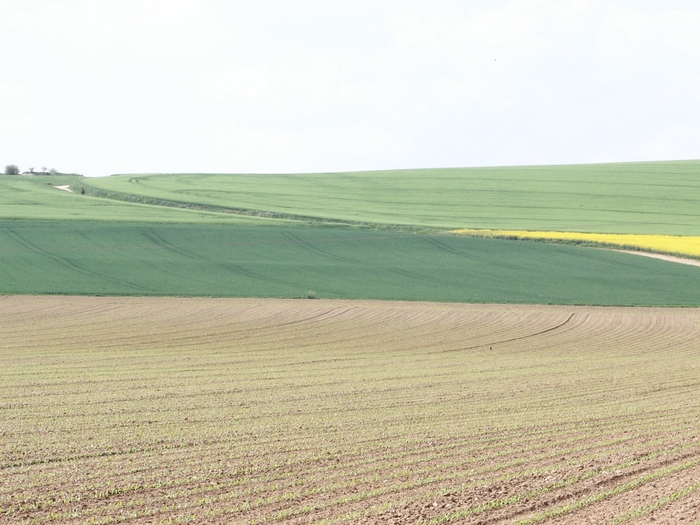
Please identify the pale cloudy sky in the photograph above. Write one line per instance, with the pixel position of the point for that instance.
(123, 86)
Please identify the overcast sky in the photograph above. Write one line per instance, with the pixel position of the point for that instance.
(131, 86)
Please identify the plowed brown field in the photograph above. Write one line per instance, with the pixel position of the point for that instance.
(156, 410)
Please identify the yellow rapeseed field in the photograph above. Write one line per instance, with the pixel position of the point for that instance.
(673, 244)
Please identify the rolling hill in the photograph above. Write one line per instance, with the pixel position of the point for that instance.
(649, 197)
(371, 235)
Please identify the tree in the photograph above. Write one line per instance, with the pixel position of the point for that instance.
(11, 169)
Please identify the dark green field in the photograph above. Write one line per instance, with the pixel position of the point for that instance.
(75, 257)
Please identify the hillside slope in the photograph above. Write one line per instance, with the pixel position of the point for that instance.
(648, 197)
(39, 198)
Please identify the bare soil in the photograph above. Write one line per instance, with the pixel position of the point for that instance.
(165, 410)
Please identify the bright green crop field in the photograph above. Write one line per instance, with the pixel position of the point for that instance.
(37, 197)
(77, 257)
(649, 197)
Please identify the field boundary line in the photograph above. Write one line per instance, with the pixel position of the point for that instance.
(310, 220)
(585, 239)
(662, 256)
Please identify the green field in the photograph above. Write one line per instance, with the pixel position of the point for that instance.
(76, 257)
(36, 197)
(189, 234)
(650, 197)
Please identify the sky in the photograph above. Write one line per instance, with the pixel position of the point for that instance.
(99, 87)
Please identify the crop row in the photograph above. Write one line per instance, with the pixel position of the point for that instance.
(311, 411)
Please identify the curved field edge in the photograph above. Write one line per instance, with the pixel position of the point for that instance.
(94, 258)
(37, 198)
(301, 219)
(288, 411)
(675, 245)
(648, 198)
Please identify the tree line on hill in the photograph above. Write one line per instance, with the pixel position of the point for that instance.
(13, 169)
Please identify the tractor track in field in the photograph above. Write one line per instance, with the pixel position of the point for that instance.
(520, 338)
(67, 263)
(236, 268)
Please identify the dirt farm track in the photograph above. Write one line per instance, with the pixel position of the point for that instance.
(163, 410)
